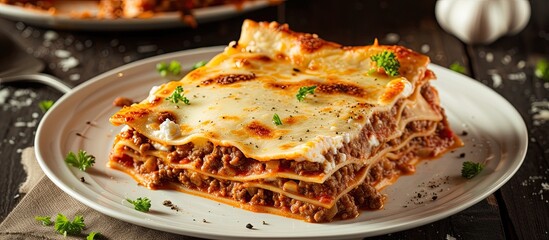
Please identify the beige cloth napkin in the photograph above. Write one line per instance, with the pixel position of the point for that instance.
(46, 199)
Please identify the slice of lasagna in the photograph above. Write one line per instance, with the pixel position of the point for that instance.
(286, 123)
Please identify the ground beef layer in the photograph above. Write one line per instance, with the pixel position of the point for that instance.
(156, 174)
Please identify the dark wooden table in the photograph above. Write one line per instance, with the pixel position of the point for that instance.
(519, 210)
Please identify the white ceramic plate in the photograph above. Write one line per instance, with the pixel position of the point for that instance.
(496, 135)
(63, 19)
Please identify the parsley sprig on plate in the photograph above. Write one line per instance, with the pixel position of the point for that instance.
(140, 204)
(82, 160)
(471, 169)
(199, 64)
(173, 68)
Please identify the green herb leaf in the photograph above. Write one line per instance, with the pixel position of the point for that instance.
(542, 69)
(173, 68)
(45, 220)
(199, 64)
(303, 91)
(276, 120)
(93, 236)
(82, 160)
(471, 169)
(178, 96)
(45, 105)
(66, 227)
(387, 61)
(140, 204)
(456, 67)
(162, 69)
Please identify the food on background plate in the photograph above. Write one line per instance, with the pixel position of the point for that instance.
(114, 9)
(286, 123)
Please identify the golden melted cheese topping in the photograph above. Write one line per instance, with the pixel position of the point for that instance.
(234, 97)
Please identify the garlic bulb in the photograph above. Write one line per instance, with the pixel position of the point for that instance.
(482, 21)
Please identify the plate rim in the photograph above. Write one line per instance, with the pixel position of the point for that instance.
(207, 50)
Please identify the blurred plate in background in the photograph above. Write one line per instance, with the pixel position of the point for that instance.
(67, 12)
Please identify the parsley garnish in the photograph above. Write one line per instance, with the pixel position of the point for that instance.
(199, 64)
(45, 220)
(45, 105)
(174, 68)
(456, 67)
(542, 69)
(82, 161)
(276, 120)
(177, 96)
(303, 91)
(66, 227)
(471, 169)
(140, 204)
(93, 235)
(387, 60)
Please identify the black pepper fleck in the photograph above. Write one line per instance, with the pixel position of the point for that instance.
(82, 179)
(169, 204)
(249, 226)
